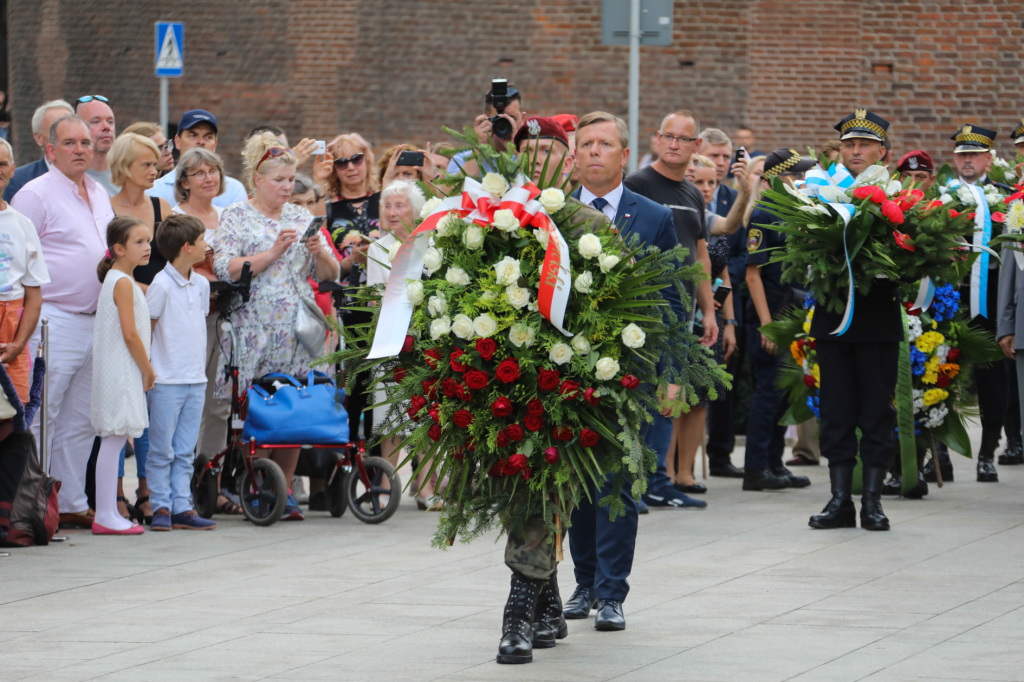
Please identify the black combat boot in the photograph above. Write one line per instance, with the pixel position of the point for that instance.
(550, 624)
(839, 512)
(986, 457)
(893, 486)
(871, 515)
(516, 644)
(945, 465)
(920, 490)
(1014, 452)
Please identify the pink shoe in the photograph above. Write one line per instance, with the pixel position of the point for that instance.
(136, 529)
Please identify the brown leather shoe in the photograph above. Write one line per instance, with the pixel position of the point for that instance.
(76, 519)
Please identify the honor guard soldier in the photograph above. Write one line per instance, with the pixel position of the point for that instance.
(1018, 137)
(917, 168)
(858, 367)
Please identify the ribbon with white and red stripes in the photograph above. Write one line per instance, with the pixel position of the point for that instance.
(479, 206)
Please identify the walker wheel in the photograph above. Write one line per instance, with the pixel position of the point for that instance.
(376, 503)
(264, 505)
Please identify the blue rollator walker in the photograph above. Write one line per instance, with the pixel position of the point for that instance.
(281, 412)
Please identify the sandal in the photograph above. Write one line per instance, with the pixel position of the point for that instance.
(140, 516)
(228, 507)
(128, 506)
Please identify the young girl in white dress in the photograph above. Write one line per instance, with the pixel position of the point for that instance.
(121, 372)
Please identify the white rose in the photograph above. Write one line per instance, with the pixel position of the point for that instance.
(433, 259)
(484, 325)
(414, 290)
(606, 368)
(965, 195)
(552, 199)
(945, 198)
(488, 296)
(542, 237)
(447, 224)
(429, 207)
(393, 251)
(505, 220)
(583, 282)
(440, 327)
(633, 336)
(560, 354)
(457, 276)
(520, 335)
(473, 237)
(580, 344)
(589, 245)
(607, 261)
(495, 184)
(462, 327)
(517, 296)
(533, 307)
(507, 271)
(437, 306)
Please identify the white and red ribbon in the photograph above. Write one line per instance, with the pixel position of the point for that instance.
(479, 206)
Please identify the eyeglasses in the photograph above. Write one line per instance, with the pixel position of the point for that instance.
(673, 138)
(164, 147)
(273, 152)
(202, 175)
(356, 160)
(89, 98)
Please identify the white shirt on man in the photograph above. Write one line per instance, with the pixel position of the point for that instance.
(179, 338)
(234, 191)
(21, 256)
(611, 209)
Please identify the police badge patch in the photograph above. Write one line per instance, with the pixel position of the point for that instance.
(754, 237)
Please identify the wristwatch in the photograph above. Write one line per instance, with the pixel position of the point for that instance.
(732, 322)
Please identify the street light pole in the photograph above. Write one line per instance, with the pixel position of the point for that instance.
(634, 82)
(163, 106)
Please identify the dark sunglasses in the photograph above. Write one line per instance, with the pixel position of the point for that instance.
(273, 152)
(356, 160)
(89, 98)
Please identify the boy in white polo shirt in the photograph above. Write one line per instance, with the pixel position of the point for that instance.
(178, 303)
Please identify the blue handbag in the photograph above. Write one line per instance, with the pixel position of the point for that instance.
(310, 414)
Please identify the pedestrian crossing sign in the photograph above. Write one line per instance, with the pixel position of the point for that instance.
(170, 49)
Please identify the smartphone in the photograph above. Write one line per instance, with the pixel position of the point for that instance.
(320, 149)
(410, 159)
(741, 154)
(721, 293)
(314, 226)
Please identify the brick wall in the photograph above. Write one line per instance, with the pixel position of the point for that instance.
(397, 70)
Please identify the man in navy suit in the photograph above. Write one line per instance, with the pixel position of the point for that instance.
(602, 550)
(44, 117)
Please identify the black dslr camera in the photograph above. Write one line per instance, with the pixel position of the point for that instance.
(501, 95)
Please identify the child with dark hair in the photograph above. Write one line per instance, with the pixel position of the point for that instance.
(178, 303)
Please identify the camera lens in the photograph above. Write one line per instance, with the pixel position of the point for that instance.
(501, 127)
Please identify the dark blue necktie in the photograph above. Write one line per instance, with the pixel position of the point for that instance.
(599, 203)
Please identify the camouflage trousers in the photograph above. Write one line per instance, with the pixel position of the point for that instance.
(532, 553)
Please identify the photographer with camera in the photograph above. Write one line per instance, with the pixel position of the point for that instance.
(503, 115)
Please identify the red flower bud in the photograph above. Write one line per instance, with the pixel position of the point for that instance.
(416, 403)
(589, 438)
(435, 412)
(563, 433)
(953, 355)
(434, 432)
(399, 373)
(432, 356)
(942, 381)
(569, 389)
(463, 418)
(430, 387)
(516, 463)
(809, 380)
(486, 348)
(527, 474)
(551, 455)
(463, 392)
(589, 396)
(476, 379)
(630, 382)
(454, 357)
(534, 407)
(409, 341)
(502, 407)
(514, 433)
(457, 452)
(534, 422)
(495, 471)
(502, 439)
(449, 386)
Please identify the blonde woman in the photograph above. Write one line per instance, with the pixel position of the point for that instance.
(264, 230)
(154, 132)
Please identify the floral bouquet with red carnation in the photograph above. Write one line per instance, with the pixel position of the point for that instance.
(522, 343)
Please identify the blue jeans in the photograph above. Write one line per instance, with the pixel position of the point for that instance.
(658, 438)
(141, 447)
(175, 411)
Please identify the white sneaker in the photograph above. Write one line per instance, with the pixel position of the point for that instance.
(299, 490)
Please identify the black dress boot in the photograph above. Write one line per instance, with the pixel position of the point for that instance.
(893, 486)
(794, 480)
(945, 463)
(839, 512)
(871, 515)
(918, 491)
(550, 624)
(986, 457)
(516, 644)
(1014, 452)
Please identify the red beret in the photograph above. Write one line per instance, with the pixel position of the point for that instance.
(915, 161)
(541, 127)
(567, 121)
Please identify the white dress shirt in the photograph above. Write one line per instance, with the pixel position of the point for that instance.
(613, 198)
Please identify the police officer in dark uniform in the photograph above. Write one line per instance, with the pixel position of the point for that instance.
(858, 367)
(766, 438)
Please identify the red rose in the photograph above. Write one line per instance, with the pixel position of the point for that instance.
(812, 343)
(872, 192)
(462, 392)
(458, 453)
(953, 355)
(809, 380)
(502, 407)
(630, 382)
(507, 371)
(435, 412)
(514, 432)
(502, 439)
(409, 341)
(476, 378)
(589, 396)
(448, 386)
(942, 381)
(534, 407)
(399, 374)
(589, 438)
(901, 241)
(999, 217)
(908, 305)
(534, 422)
(515, 464)
(495, 471)
(430, 387)
(527, 474)
(434, 432)
(416, 403)
(456, 365)
(463, 418)
(562, 433)
(547, 379)
(892, 212)
(471, 445)
(551, 455)
(569, 389)
(486, 348)
(432, 356)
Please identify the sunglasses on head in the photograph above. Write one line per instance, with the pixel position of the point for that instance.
(356, 160)
(89, 98)
(273, 153)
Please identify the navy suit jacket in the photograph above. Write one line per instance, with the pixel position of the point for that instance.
(23, 176)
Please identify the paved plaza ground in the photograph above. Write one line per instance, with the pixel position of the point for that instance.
(743, 590)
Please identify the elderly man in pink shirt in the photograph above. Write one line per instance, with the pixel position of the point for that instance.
(70, 211)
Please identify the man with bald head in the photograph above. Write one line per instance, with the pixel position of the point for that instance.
(96, 111)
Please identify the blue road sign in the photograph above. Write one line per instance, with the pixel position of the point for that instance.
(170, 49)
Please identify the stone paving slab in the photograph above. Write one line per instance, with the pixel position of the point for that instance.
(743, 590)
